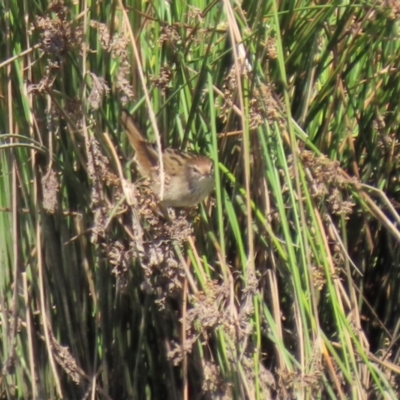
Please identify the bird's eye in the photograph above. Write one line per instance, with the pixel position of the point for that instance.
(194, 170)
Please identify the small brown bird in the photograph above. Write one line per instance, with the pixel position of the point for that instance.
(189, 178)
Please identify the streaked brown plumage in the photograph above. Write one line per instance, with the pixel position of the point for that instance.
(189, 178)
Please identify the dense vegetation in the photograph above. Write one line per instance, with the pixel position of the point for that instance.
(283, 284)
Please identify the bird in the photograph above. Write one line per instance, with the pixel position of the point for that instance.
(188, 177)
